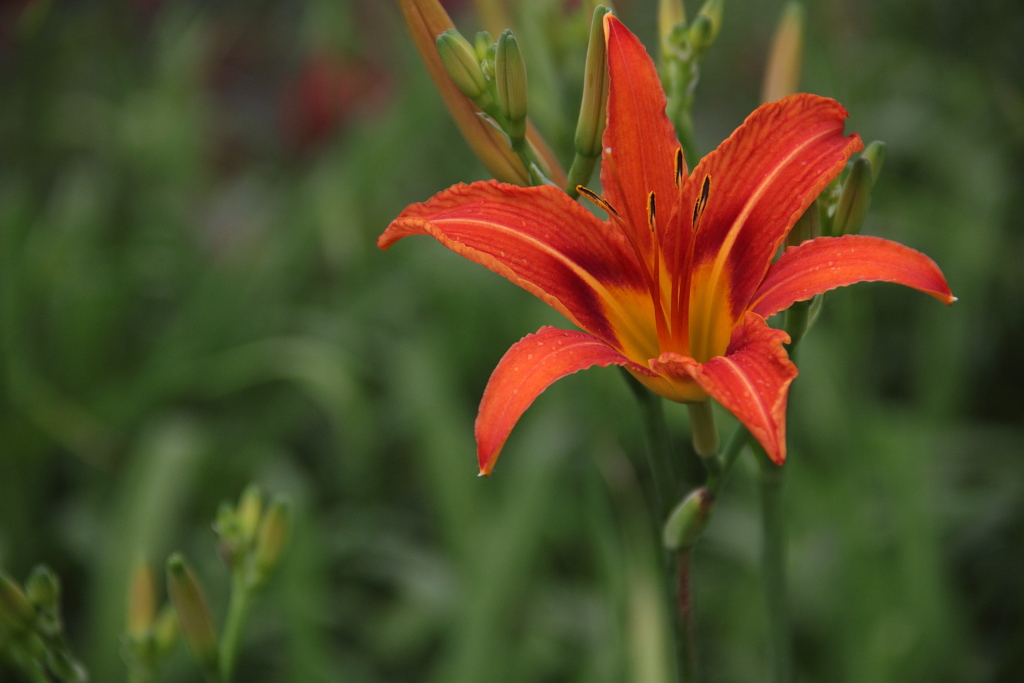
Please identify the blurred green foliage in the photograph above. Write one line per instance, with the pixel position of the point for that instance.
(191, 298)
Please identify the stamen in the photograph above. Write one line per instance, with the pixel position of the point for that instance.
(680, 165)
(701, 203)
(600, 201)
(650, 211)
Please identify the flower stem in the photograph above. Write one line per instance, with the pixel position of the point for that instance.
(702, 425)
(659, 448)
(686, 647)
(237, 610)
(773, 567)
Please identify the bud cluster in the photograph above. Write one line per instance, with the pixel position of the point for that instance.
(252, 537)
(31, 628)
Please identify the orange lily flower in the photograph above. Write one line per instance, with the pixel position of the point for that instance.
(675, 286)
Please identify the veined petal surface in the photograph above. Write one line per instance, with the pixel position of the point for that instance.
(639, 141)
(536, 237)
(751, 381)
(526, 370)
(761, 180)
(825, 263)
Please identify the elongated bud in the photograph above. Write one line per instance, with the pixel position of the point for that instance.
(43, 588)
(141, 600)
(15, 608)
(807, 227)
(482, 44)
(510, 79)
(688, 520)
(670, 15)
(590, 126)
(875, 154)
(250, 506)
(461, 63)
(165, 632)
(426, 20)
(271, 541)
(193, 613)
(854, 200)
(782, 76)
(705, 26)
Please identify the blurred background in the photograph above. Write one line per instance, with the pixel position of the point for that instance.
(191, 299)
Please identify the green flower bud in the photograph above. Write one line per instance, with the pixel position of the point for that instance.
(590, 126)
(141, 600)
(16, 611)
(250, 506)
(875, 154)
(670, 15)
(461, 63)
(689, 519)
(482, 45)
(165, 632)
(807, 227)
(43, 588)
(193, 613)
(272, 538)
(510, 78)
(704, 29)
(854, 200)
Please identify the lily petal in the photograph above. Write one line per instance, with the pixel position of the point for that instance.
(825, 263)
(639, 141)
(751, 381)
(526, 370)
(536, 237)
(761, 180)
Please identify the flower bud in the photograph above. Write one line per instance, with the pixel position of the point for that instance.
(16, 611)
(165, 632)
(193, 613)
(272, 538)
(250, 505)
(875, 154)
(782, 76)
(510, 78)
(482, 44)
(689, 519)
(590, 126)
(462, 64)
(705, 26)
(43, 588)
(807, 227)
(141, 600)
(670, 15)
(854, 200)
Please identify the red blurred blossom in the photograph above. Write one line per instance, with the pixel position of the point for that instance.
(325, 94)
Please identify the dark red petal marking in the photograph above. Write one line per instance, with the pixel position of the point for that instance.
(536, 237)
(526, 370)
(825, 263)
(751, 381)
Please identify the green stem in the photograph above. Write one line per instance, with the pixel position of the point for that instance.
(686, 647)
(702, 426)
(659, 448)
(237, 609)
(773, 567)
